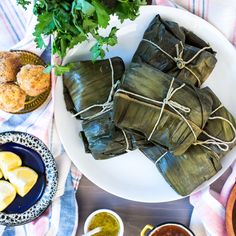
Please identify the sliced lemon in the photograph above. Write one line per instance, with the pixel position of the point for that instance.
(23, 179)
(1, 175)
(7, 194)
(9, 161)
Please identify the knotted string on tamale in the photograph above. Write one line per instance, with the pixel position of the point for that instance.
(219, 133)
(175, 51)
(186, 172)
(202, 160)
(179, 123)
(89, 83)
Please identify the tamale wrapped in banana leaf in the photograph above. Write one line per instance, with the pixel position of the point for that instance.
(161, 108)
(202, 160)
(186, 172)
(219, 133)
(90, 83)
(176, 51)
(104, 140)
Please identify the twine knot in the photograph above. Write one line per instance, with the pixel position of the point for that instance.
(108, 105)
(180, 63)
(179, 56)
(166, 101)
(223, 145)
(174, 105)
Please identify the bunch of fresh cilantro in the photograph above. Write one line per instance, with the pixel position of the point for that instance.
(73, 21)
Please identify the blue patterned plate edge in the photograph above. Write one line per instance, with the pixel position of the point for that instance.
(51, 173)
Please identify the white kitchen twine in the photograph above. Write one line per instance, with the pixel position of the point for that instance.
(126, 140)
(156, 162)
(221, 144)
(181, 64)
(108, 105)
(160, 157)
(166, 101)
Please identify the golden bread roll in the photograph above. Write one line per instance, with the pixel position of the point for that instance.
(9, 66)
(33, 80)
(12, 98)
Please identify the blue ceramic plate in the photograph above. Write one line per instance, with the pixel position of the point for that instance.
(34, 154)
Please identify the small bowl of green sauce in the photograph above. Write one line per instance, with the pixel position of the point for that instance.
(110, 222)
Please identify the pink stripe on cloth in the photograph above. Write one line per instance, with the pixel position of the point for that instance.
(10, 10)
(40, 226)
(4, 116)
(76, 176)
(230, 182)
(199, 10)
(207, 10)
(164, 3)
(8, 32)
(234, 33)
(40, 127)
(210, 211)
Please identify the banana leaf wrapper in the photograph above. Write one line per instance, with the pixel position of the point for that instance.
(219, 128)
(167, 34)
(104, 140)
(140, 116)
(89, 83)
(186, 172)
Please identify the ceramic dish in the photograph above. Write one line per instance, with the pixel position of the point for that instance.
(32, 103)
(132, 176)
(231, 213)
(34, 154)
(176, 228)
(115, 215)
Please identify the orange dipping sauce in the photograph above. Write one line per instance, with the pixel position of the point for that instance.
(170, 230)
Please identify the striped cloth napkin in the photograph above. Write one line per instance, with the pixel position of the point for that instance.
(61, 218)
(209, 205)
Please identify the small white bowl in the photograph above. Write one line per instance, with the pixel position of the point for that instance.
(89, 218)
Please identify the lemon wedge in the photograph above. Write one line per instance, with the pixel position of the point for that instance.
(1, 175)
(7, 194)
(9, 161)
(23, 179)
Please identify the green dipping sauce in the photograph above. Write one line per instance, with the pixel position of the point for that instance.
(110, 225)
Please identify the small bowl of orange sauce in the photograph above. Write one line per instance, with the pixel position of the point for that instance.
(166, 229)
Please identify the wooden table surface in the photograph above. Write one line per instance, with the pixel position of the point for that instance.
(135, 215)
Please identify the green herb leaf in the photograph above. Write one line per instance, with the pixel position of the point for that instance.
(84, 6)
(48, 69)
(74, 21)
(98, 49)
(60, 70)
(45, 26)
(23, 3)
(102, 14)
